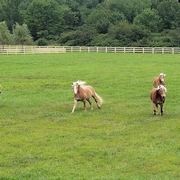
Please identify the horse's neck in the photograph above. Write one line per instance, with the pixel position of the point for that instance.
(80, 90)
(80, 94)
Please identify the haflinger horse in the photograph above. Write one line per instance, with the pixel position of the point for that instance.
(158, 96)
(83, 93)
(159, 80)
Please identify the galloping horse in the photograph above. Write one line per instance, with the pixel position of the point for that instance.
(159, 80)
(83, 93)
(158, 96)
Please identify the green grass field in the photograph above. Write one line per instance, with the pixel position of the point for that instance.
(41, 140)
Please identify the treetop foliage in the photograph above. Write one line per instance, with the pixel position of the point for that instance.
(95, 22)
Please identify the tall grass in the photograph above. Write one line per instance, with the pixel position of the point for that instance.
(41, 139)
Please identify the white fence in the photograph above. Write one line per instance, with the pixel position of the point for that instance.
(32, 50)
(63, 49)
(153, 50)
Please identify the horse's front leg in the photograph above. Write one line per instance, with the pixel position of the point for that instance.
(162, 111)
(74, 106)
(90, 103)
(155, 107)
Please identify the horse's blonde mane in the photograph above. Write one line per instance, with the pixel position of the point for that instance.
(161, 87)
(80, 82)
(162, 74)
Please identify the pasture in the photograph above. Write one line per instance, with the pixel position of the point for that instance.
(42, 140)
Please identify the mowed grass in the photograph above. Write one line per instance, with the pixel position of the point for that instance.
(41, 140)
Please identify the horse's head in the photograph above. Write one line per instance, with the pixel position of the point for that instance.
(75, 85)
(161, 77)
(162, 91)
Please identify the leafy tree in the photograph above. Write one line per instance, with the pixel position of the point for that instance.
(121, 32)
(45, 19)
(22, 35)
(149, 19)
(139, 36)
(169, 12)
(104, 40)
(68, 38)
(96, 22)
(71, 19)
(84, 35)
(81, 37)
(99, 19)
(5, 35)
(91, 3)
(127, 34)
(174, 37)
(128, 8)
(11, 13)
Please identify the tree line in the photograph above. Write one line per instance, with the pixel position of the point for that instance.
(90, 22)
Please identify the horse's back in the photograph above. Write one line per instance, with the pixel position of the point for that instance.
(89, 89)
(156, 81)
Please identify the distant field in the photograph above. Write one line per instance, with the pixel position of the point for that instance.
(42, 140)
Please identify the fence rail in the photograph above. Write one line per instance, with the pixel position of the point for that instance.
(63, 49)
(32, 50)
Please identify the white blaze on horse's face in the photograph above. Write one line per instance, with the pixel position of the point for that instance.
(161, 77)
(75, 87)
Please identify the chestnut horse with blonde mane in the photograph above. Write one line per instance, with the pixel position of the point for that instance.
(159, 80)
(158, 96)
(83, 93)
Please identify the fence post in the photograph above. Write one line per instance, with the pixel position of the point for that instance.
(32, 49)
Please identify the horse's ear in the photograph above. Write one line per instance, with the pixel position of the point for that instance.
(158, 88)
(164, 74)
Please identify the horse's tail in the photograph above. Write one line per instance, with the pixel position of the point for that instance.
(99, 99)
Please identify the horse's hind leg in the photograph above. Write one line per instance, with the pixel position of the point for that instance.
(90, 103)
